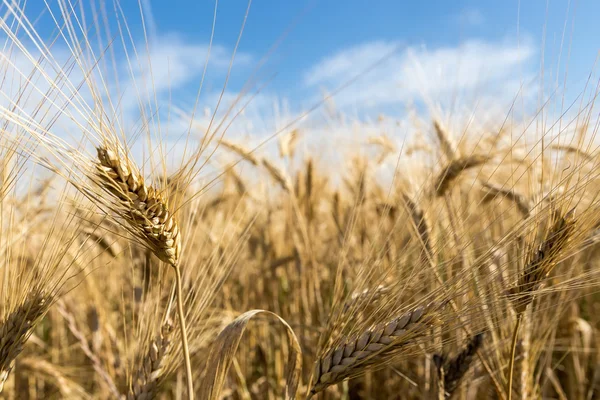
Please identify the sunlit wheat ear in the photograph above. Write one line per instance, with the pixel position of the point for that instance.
(421, 224)
(447, 144)
(287, 143)
(452, 371)
(452, 171)
(145, 383)
(277, 175)
(143, 207)
(492, 191)
(241, 151)
(16, 329)
(541, 262)
(372, 347)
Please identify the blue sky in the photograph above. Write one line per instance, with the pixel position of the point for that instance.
(438, 52)
(322, 28)
(461, 40)
(315, 32)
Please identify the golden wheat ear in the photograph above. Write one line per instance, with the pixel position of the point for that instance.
(372, 347)
(140, 205)
(16, 329)
(541, 261)
(145, 383)
(454, 169)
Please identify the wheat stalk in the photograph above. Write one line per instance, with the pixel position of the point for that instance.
(540, 264)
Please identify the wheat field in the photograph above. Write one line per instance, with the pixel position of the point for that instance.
(163, 257)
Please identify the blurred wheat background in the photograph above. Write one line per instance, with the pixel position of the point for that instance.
(152, 247)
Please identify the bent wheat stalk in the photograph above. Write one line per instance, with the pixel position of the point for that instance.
(147, 213)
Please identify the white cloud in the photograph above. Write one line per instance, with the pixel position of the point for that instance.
(346, 63)
(474, 68)
(171, 63)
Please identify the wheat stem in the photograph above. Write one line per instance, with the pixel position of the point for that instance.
(184, 339)
(511, 364)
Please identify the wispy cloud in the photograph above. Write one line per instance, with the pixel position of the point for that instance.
(476, 67)
(171, 63)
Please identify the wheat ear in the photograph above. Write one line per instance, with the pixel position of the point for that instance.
(146, 380)
(541, 262)
(449, 148)
(420, 223)
(149, 217)
(452, 371)
(15, 330)
(453, 170)
(278, 175)
(241, 151)
(142, 207)
(369, 348)
(493, 191)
